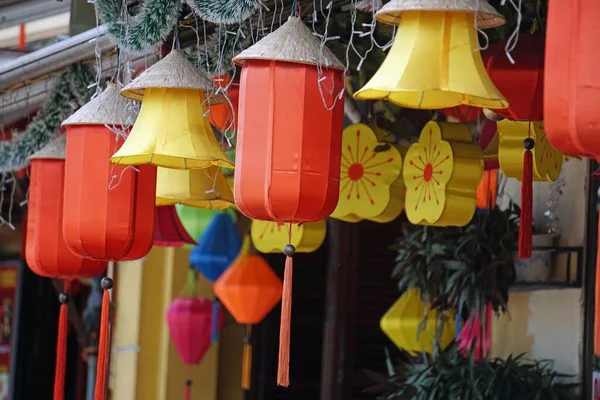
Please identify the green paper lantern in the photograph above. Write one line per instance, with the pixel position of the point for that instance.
(196, 220)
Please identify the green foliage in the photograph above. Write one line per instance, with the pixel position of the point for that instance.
(224, 11)
(70, 92)
(461, 268)
(452, 376)
(145, 31)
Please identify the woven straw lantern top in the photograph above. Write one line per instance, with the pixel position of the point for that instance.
(487, 16)
(109, 108)
(55, 150)
(292, 42)
(173, 72)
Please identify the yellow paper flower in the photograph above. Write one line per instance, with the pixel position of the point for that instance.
(547, 160)
(441, 173)
(269, 237)
(371, 184)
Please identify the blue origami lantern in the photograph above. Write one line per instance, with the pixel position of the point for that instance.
(218, 247)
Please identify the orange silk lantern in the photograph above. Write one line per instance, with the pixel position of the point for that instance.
(289, 139)
(109, 210)
(224, 115)
(45, 251)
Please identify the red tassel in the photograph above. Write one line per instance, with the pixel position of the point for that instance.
(525, 229)
(61, 344)
(283, 372)
(103, 344)
(188, 389)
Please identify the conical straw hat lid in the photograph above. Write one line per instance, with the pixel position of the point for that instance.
(487, 16)
(292, 42)
(173, 72)
(56, 149)
(109, 108)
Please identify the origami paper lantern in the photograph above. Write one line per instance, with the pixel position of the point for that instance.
(172, 130)
(489, 143)
(487, 191)
(367, 176)
(434, 62)
(224, 115)
(480, 333)
(402, 322)
(202, 188)
(189, 320)
(196, 220)
(289, 139)
(441, 173)
(45, 251)
(270, 237)
(168, 230)
(547, 161)
(108, 210)
(522, 83)
(249, 289)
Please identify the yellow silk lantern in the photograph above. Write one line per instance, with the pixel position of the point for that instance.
(435, 60)
(172, 129)
(269, 237)
(200, 188)
(547, 161)
(441, 173)
(402, 321)
(371, 184)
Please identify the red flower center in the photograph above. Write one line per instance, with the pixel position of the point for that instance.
(355, 172)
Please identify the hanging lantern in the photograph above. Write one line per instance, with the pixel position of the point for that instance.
(442, 172)
(249, 289)
(224, 115)
(45, 250)
(172, 130)
(489, 143)
(196, 220)
(168, 230)
(108, 210)
(370, 171)
(487, 191)
(270, 237)
(202, 188)
(521, 82)
(435, 60)
(403, 321)
(289, 140)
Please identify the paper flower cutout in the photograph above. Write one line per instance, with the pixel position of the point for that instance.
(371, 184)
(441, 173)
(269, 237)
(547, 160)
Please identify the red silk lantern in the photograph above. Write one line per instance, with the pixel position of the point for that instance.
(109, 210)
(224, 115)
(45, 250)
(288, 153)
(168, 230)
(522, 83)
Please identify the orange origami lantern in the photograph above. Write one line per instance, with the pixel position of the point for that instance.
(45, 251)
(289, 139)
(109, 210)
(224, 115)
(249, 289)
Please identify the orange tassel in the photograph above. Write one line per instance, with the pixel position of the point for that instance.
(103, 344)
(188, 389)
(525, 229)
(247, 361)
(61, 344)
(283, 372)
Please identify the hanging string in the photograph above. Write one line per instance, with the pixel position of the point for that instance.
(247, 360)
(104, 342)
(295, 12)
(61, 342)
(283, 371)
(188, 389)
(215, 320)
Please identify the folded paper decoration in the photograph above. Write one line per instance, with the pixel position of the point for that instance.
(441, 173)
(270, 237)
(168, 229)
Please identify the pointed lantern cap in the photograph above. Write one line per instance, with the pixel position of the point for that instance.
(291, 42)
(109, 108)
(173, 72)
(55, 150)
(487, 16)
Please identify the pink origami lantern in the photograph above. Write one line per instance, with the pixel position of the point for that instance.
(168, 230)
(474, 330)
